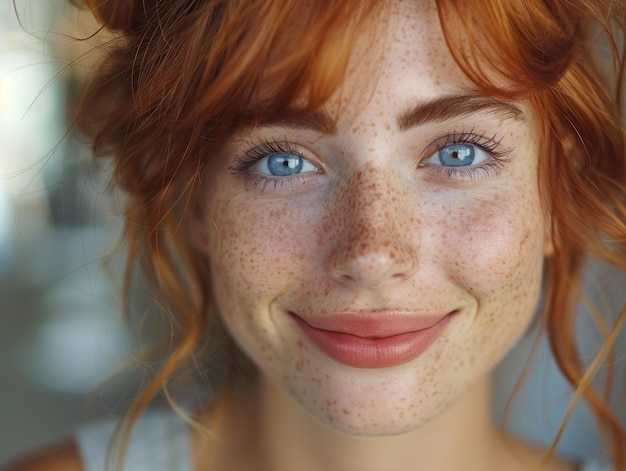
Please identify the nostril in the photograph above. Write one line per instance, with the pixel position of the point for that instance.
(345, 278)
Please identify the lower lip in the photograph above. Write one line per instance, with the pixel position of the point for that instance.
(386, 352)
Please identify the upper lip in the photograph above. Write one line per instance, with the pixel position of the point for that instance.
(372, 324)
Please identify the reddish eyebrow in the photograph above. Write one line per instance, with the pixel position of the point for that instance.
(437, 110)
(452, 106)
(316, 121)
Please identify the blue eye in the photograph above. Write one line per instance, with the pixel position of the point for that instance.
(457, 155)
(284, 165)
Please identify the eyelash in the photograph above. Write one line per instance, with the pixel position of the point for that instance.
(488, 144)
(481, 141)
(256, 152)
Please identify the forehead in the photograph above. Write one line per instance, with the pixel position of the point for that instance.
(402, 59)
(410, 33)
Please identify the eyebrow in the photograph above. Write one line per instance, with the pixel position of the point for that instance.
(319, 121)
(437, 110)
(452, 106)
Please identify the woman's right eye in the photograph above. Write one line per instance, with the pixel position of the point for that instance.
(283, 164)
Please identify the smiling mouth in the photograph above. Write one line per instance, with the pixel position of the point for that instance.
(373, 341)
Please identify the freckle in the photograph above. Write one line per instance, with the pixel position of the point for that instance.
(347, 412)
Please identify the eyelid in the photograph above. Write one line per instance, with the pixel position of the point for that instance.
(494, 165)
(256, 152)
(488, 143)
(243, 166)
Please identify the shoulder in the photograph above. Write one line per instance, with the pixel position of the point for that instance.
(63, 457)
(158, 441)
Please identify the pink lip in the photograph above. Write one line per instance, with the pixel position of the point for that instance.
(373, 340)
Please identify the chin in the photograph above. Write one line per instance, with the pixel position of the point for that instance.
(374, 423)
(378, 427)
(373, 405)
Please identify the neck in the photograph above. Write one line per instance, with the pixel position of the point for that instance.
(460, 438)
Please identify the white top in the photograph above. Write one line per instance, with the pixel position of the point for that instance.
(160, 441)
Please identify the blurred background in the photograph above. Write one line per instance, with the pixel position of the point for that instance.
(61, 332)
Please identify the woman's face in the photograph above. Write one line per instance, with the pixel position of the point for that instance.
(375, 266)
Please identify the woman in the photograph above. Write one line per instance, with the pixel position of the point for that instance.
(369, 195)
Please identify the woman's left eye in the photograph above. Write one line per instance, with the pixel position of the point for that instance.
(283, 164)
(458, 155)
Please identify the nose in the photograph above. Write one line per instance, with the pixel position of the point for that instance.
(374, 238)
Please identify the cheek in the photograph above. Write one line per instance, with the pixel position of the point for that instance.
(257, 248)
(494, 251)
(491, 246)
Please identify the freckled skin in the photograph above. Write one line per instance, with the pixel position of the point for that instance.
(373, 230)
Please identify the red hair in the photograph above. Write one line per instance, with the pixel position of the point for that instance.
(182, 76)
